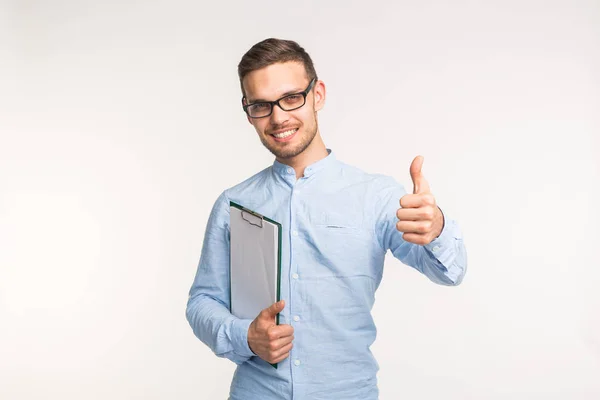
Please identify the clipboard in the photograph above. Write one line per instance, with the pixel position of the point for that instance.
(254, 262)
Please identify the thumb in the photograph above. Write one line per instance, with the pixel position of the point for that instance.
(274, 309)
(420, 184)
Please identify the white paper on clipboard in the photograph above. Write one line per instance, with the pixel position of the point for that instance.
(254, 262)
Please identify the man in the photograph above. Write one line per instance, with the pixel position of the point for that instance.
(338, 223)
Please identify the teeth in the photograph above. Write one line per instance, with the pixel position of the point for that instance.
(285, 134)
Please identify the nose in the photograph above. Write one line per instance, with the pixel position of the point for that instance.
(278, 116)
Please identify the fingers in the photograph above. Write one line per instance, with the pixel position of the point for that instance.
(282, 353)
(280, 331)
(415, 214)
(278, 348)
(278, 344)
(417, 200)
(421, 227)
(416, 238)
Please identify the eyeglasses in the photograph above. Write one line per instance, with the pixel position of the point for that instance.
(289, 102)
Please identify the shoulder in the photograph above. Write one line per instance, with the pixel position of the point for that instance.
(373, 182)
(247, 185)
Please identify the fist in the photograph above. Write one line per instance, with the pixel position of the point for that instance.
(266, 339)
(419, 217)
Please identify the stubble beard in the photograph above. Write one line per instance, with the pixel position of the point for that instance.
(287, 150)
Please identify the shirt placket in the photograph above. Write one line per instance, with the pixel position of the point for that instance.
(295, 276)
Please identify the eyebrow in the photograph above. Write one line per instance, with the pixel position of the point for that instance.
(283, 95)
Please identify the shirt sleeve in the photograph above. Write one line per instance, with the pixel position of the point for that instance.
(443, 261)
(208, 303)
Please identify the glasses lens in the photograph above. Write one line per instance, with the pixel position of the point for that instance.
(292, 101)
(259, 109)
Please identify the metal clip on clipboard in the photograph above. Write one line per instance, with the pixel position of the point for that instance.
(258, 218)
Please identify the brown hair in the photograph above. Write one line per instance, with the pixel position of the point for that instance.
(272, 51)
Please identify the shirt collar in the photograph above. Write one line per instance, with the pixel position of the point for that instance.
(313, 168)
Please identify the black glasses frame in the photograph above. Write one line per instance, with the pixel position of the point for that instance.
(304, 93)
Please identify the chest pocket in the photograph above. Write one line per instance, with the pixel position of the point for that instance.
(337, 223)
(342, 246)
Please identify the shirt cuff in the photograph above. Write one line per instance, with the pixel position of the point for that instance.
(239, 337)
(442, 247)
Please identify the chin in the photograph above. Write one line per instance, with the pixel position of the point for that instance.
(285, 154)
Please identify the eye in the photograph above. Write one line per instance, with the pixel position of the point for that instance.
(293, 100)
(260, 106)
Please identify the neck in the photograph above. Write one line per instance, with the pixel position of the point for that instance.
(313, 153)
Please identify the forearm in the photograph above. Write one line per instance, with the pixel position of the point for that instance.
(208, 305)
(212, 323)
(444, 260)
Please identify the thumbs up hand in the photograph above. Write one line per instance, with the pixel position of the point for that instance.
(266, 339)
(419, 217)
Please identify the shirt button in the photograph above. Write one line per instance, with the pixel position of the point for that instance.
(436, 248)
(289, 170)
(296, 318)
(295, 276)
(296, 362)
(295, 233)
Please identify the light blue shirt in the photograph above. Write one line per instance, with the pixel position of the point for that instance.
(338, 223)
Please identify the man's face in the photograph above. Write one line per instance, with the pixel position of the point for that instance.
(284, 133)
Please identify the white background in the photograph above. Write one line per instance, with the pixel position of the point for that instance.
(120, 124)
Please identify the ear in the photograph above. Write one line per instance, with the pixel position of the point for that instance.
(320, 93)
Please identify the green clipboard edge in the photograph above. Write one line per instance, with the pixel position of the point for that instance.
(279, 236)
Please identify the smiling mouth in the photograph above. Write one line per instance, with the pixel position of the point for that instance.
(285, 134)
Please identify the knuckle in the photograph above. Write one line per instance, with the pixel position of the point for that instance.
(428, 213)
